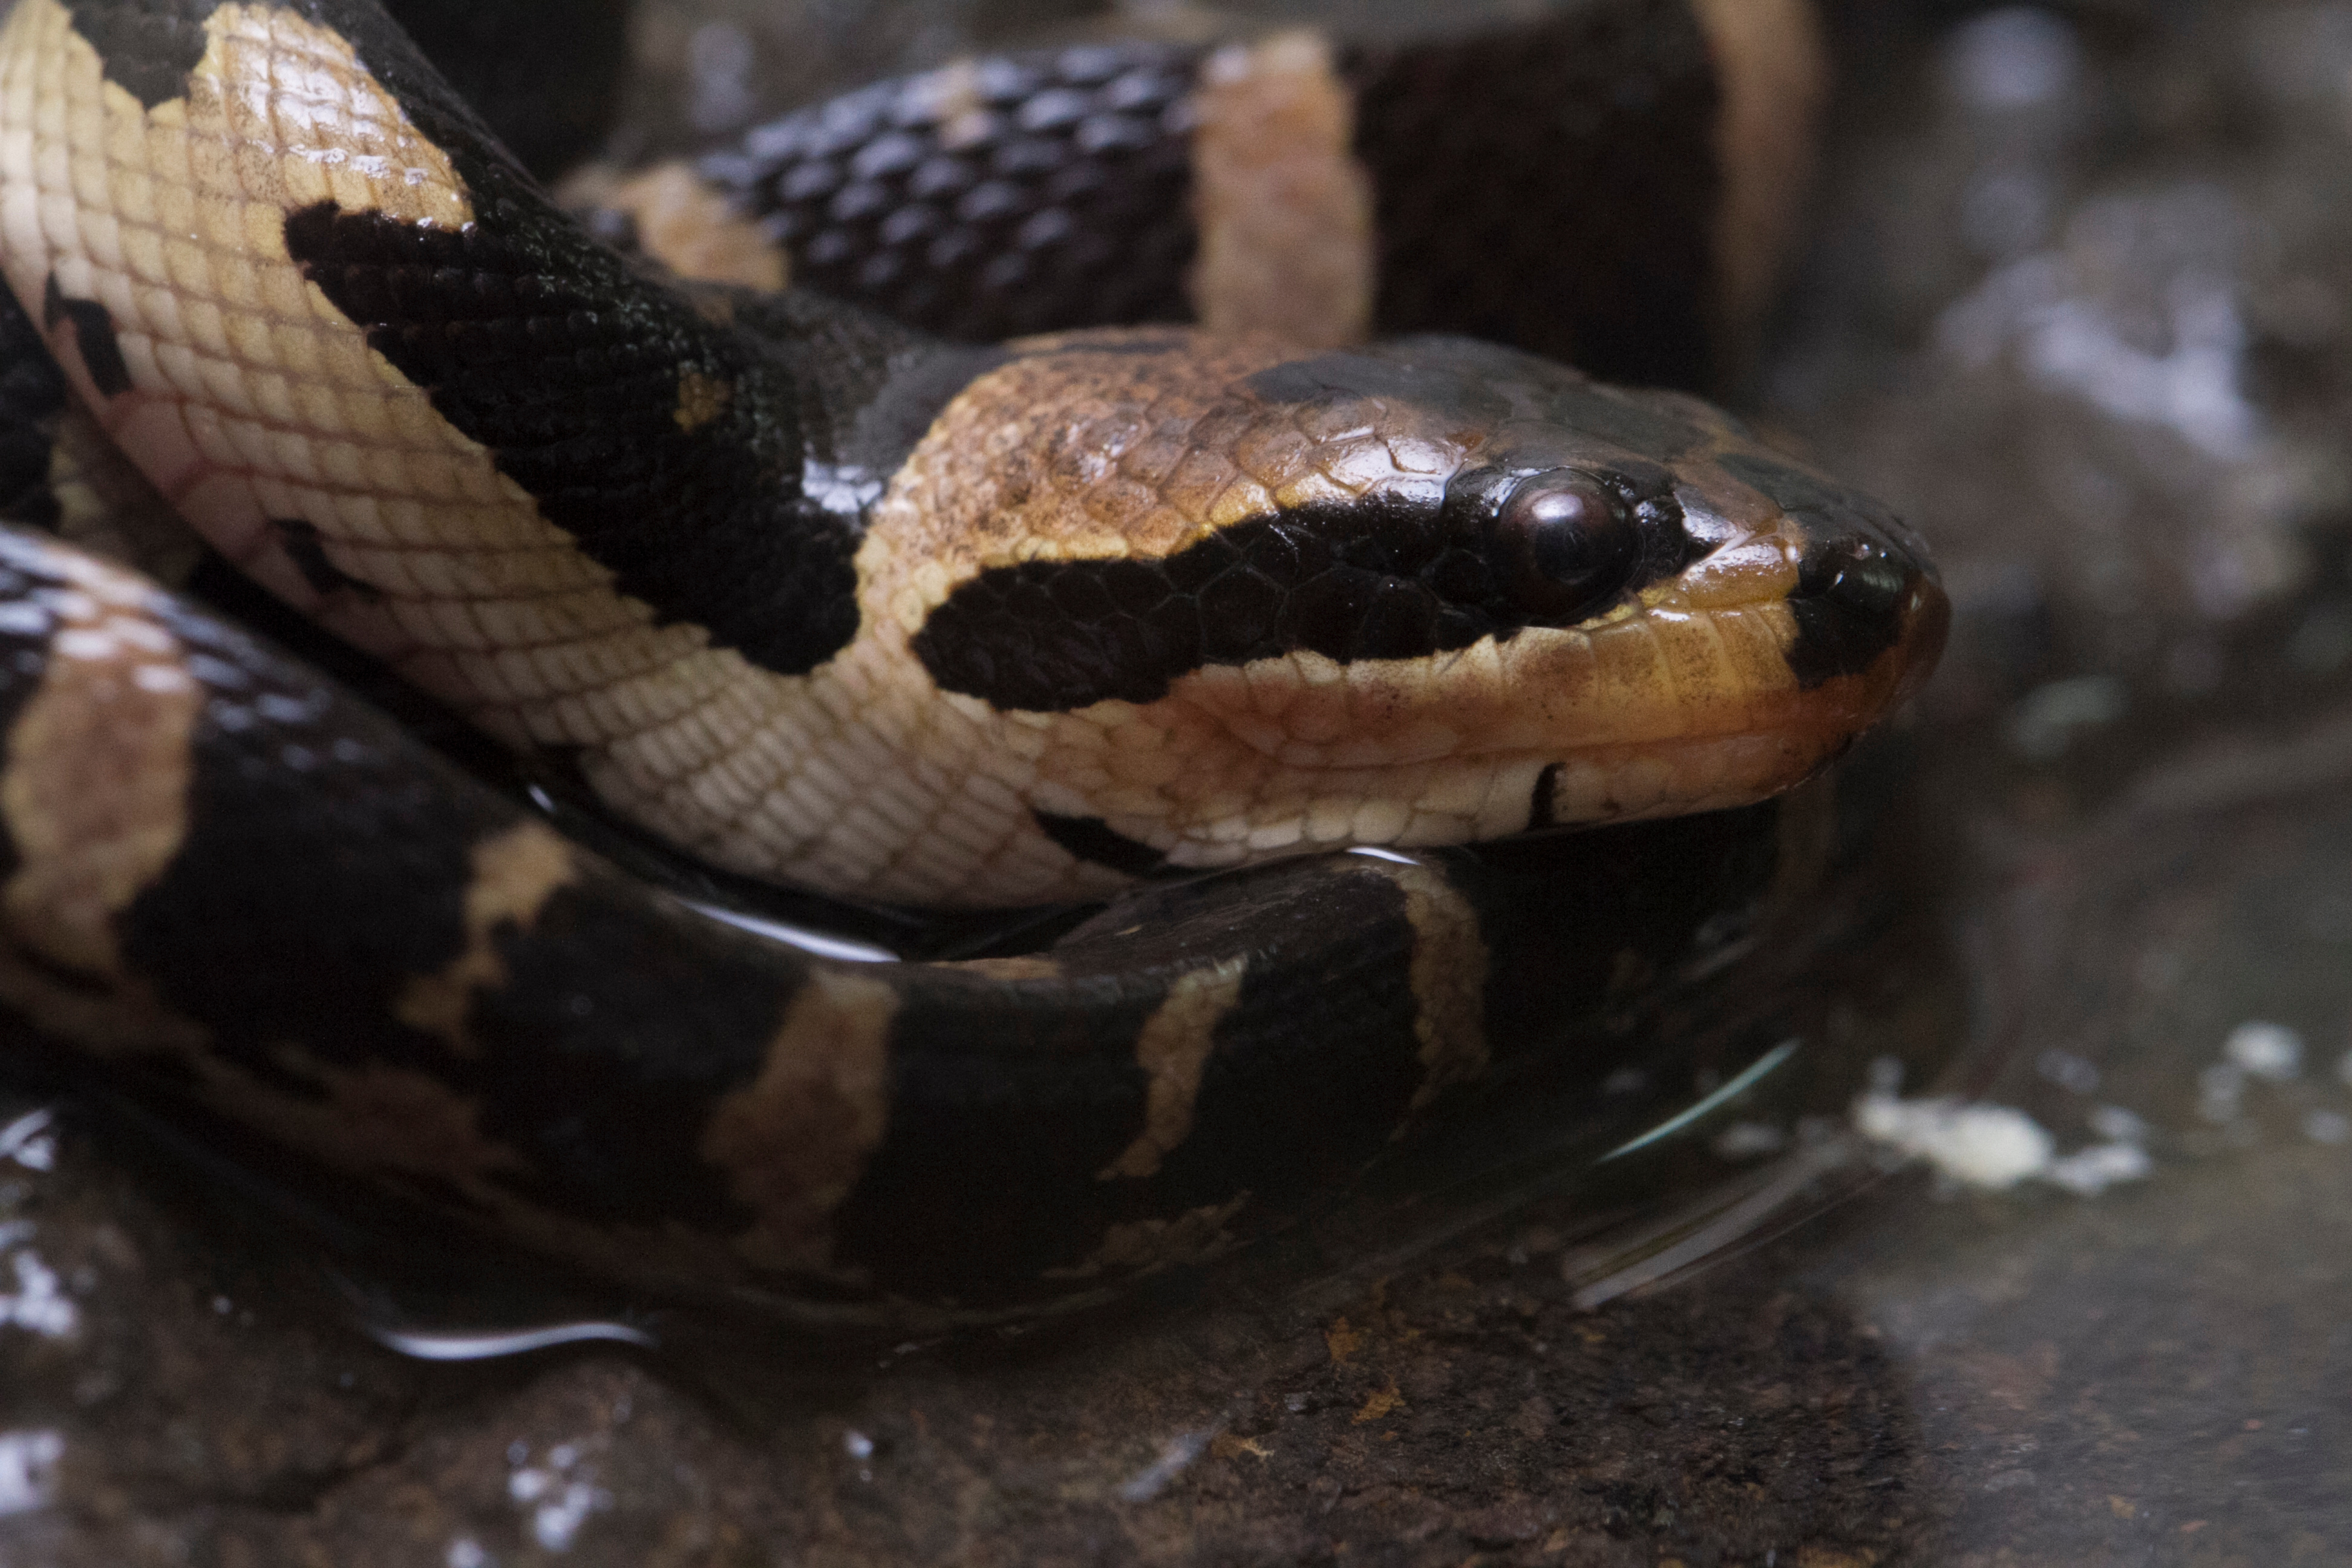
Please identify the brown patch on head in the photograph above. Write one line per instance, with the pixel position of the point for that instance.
(514, 872)
(794, 1140)
(1284, 209)
(681, 222)
(1171, 1048)
(1147, 1246)
(1773, 67)
(1105, 444)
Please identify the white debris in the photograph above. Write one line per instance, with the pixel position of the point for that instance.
(2220, 1090)
(1995, 1147)
(2011, 58)
(560, 1498)
(1176, 1455)
(2068, 1070)
(1749, 1140)
(2045, 720)
(39, 1305)
(1979, 1145)
(2328, 1127)
(2087, 1172)
(29, 1142)
(2116, 1125)
(28, 1468)
(2270, 1051)
(466, 1553)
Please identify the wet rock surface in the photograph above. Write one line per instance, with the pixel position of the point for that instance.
(2078, 308)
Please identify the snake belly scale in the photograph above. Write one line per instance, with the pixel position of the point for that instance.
(827, 600)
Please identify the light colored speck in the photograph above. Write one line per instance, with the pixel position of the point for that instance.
(2328, 1127)
(1749, 1140)
(28, 1466)
(29, 1140)
(857, 1444)
(39, 1304)
(2068, 1070)
(556, 1522)
(560, 1503)
(466, 1553)
(1175, 1456)
(2220, 1090)
(2087, 1172)
(2116, 1125)
(2270, 1051)
(1990, 1146)
(2047, 717)
(1996, 1147)
(2015, 57)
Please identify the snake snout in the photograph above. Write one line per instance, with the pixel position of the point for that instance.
(1861, 596)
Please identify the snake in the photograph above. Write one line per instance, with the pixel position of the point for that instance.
(1240, 633)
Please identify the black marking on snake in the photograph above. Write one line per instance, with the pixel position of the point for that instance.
(527, 338)
(1056, 193)
(1859, 567)
(286, 773)
(608, 1044)
(147, 49)
(1279, 1108)
(1092, 839)
(306, 547)
(1573, 212)
(93, 331)
(32, 397)
(993, 1093)
(1385, 578)
(869, 387)
(1540, 804)
(598, 1072)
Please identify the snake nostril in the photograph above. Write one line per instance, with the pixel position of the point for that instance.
(1849, 604)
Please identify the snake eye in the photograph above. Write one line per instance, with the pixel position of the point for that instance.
(1562, 544)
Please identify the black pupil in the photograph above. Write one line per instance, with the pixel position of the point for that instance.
(1565, 543)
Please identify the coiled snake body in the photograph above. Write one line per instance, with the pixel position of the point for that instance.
(827, 600)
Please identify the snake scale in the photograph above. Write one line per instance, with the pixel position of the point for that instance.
(1233, 626)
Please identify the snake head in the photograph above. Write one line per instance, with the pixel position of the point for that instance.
(1230, 602)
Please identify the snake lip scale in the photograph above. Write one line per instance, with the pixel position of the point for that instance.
(829, 601)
